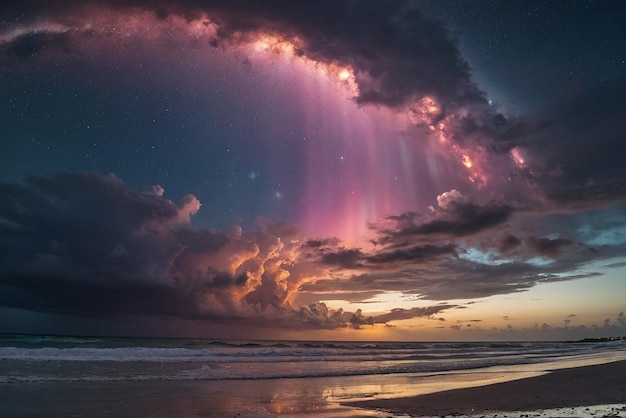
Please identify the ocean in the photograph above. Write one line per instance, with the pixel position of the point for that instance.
(96, 376)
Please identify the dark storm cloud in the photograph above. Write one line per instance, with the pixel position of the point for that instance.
(353, 259)
(578, 148)
(344, 258)
(509, 243)
(85, 244)
(549, 247)
(398, 55)
(456, 215)
(415, 254)
(85, 241)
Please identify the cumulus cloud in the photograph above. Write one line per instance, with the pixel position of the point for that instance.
(86, 245)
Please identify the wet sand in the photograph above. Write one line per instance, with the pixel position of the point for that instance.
(602, 384)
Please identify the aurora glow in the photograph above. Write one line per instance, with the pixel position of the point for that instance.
(328, 169)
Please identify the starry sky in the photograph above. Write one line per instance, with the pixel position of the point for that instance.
(398, 170)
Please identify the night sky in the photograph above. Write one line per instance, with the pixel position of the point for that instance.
(413, 170)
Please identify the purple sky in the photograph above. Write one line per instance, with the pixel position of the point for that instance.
(332, 169)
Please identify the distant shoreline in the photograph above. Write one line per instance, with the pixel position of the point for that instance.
(598, 340)
(564, 388)
(4, 334)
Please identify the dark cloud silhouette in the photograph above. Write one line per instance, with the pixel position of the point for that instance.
(400, 314)
(356, 259)
(549, 247)
(414, 254)
(456, 215)
(85, 244)
(576, 148)
(509, 243)
(344, 258)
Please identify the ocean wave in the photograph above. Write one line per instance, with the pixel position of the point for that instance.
(104, 354)
(220, 352)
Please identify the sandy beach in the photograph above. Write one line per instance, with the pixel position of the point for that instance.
(603, 384)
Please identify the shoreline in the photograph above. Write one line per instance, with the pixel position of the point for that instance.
(584, 386)
(118, 389)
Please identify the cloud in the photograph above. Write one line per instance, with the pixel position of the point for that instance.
(576, 148)
(400, 314)
(412, 255)
(509, 243)
(86, 245)
(549, 247)
(456, 215)
(344, 258)
(396, 57)
(396, 53)
(402, 60)
(448, 270)
(319, 315)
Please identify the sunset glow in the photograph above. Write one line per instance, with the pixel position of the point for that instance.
(301, 175)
